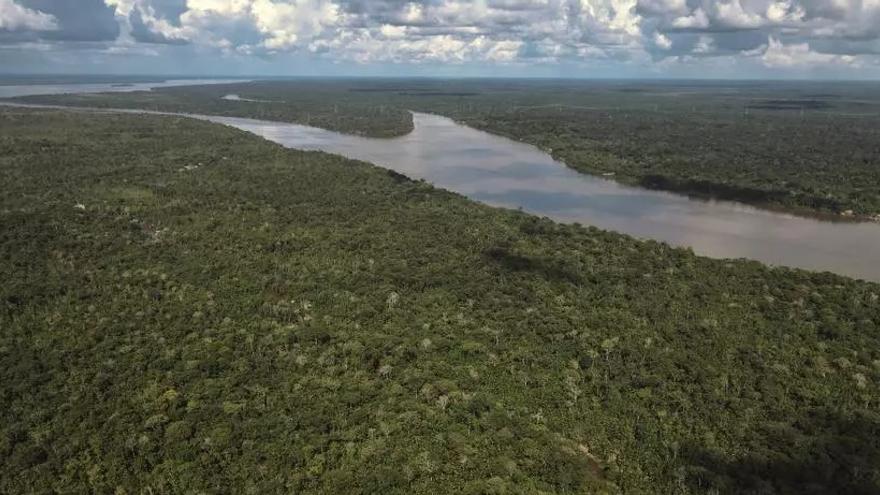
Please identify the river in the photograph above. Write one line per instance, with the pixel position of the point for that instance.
(502, 172)
(15, 90)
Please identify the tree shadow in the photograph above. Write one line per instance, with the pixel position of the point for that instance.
(547, 268)
(819, 453)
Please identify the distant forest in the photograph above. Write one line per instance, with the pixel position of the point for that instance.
(805, 147)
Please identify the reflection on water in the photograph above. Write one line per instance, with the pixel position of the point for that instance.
(502, 172)
(13, 91)
(235, 97)
(507, 173)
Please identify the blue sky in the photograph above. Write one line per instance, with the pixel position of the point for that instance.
(827, 39)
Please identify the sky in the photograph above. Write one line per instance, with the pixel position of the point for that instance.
(752, 39)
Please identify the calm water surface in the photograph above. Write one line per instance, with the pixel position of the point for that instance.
(13, 91)
(502, 172)
(507, 173)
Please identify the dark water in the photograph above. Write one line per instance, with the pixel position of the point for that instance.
(502, 172)
(507, 173)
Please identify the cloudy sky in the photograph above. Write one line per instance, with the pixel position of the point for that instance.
(549, 38)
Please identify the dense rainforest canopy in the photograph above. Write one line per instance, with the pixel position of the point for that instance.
(189, 308)
(807, 147)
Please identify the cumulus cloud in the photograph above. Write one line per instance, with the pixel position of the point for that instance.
(732, 14)
(662, 41)
(784, 12)
(16, 17)
(697, 20)
(778, 55)
(438, 30)
(704, 45)
(788, 33)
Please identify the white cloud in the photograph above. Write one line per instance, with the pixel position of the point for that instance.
(226, 8)
(732, 14)
(779, 55)
(697, 20)
(285, 24)
(617, 16)
(393, 32)
(444, 30)
(629, 32)
(784, 12)
(662, 41)
(13, 17)
(704, 45)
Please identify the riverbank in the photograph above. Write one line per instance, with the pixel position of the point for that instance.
(506, 173)
(326, 105)
(758, 144)
(736, 159)
(502, 172)
(601, 164)
(190, 307)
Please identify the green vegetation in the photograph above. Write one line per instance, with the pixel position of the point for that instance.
(189, 308)
(325, 104)
(787, 154)
(810, 147)
(21, 79)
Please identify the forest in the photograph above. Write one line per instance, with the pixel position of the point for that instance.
(324, 104)
(807, 147)
(188, 308)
